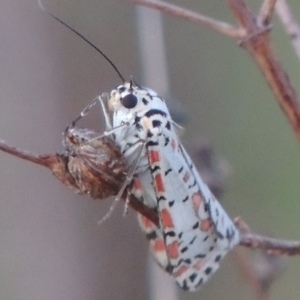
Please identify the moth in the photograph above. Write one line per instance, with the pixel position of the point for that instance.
(195, 232)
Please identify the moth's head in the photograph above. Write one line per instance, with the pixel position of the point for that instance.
(128, 96)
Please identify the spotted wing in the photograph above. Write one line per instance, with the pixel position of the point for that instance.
(197, 231)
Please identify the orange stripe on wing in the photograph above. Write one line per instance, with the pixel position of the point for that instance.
(180, 271)
(158, 245)
(154, 156)
(172, 250)
(166, 219)
(197, 201)
(145, 222)
(137, 184)
(205, 224)
(159, 185)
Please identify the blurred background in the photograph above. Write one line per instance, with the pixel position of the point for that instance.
(51, 245)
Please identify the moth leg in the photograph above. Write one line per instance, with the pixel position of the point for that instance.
(139, 147)
(103, 100)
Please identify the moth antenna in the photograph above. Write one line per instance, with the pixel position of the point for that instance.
(131, 83)
(83, 38)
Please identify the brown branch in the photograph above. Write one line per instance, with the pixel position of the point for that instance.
(58, 164)
(189, 15)
(94, 184)
(292, 28)
(273, 246)
(23, 154)
(258, 45)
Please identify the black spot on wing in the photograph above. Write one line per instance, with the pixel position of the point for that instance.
(169, 233)
(171, 203)
(218, 258)
(206, 207)
(168, 171)
(196, 225)
(184, 249)
(151, 236)
(137, 119)
(150, 135)
(145, 101)
(167, 141)
(200, 282)
(205, 239)
(230, 233)
(208, 270)
(160, 198)
(193, 240)
(200, 256)
(152, 170)
(180, 170)
(185, 199)
(193, 277)
(169, 269)
(185, 286)
(151, 144)
(193, 184)
(168, 125)
(153, 112)
(156, 123)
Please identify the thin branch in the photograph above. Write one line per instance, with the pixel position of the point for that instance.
(23, 154)
(292, 28)
(273, 246)
(59, 164)
(259, 46)
(266, 12)
(189, 15)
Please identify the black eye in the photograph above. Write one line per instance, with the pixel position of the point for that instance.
(129, 101)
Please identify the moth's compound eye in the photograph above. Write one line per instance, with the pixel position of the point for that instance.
(129, 101)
